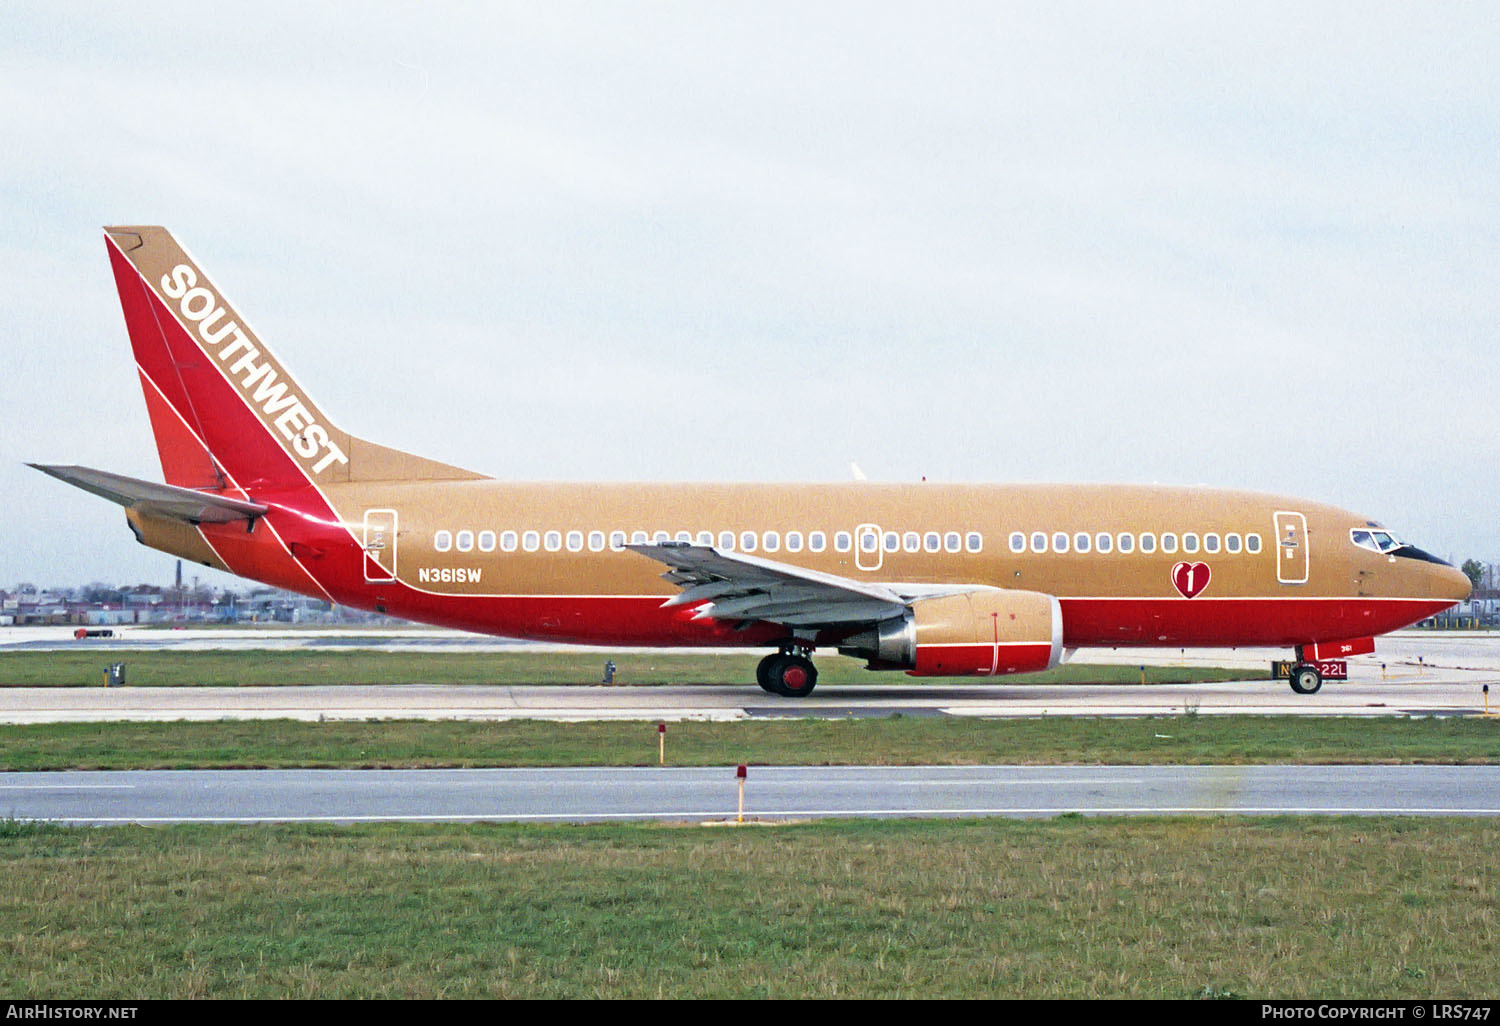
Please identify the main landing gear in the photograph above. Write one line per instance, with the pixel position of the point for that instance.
(787, 673)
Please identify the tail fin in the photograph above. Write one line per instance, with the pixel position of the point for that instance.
(224, 410)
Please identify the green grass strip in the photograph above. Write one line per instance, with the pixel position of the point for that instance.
(1067, 908)
(85, 667)
(896, 740)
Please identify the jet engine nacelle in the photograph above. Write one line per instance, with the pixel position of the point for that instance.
(973, 634)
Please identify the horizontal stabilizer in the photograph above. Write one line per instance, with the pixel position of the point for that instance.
(159, 499)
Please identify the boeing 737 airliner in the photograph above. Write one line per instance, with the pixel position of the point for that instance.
(936, 580)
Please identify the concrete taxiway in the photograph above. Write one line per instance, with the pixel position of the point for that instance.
(1417, 673)
(1402, 651)
(1429, 697)
(709, 794)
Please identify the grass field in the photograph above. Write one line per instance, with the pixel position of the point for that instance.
(1357, 908)
(895, 740)
(85, 667)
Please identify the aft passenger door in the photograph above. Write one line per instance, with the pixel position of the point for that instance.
(1291, 548)
(380, 545)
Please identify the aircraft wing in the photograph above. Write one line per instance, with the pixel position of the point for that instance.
(737, 586)
(160, 499)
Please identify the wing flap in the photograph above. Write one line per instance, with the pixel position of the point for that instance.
(737, 586)
(163, 500)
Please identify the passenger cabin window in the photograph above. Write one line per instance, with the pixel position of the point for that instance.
(1252, 543)
(794, 541)
(932, 542)
(1148, 542)
(952, 542)
(747, 541)
(639, 538)
(617, 541)
(464, 542)
(770, 541)
(911, 542)
(531, 541)
(842, 541)
(1039, 542)
(1104, 541)
(596, 541)
(726, 541)
(486, 541)
(684, 536)
(1126, 542)
(1017, 541)
(868, 541)
(1081, 542)
(1168, 542)
(705, 538)
(507, 541)
(974, 541)
(892, 542)
(1210, 543)
(575, 541)
(661, 536)
(442, 541)
(1231, 543)
(1059, 542)
(817, 541)
(552, 541)
(1190, 542)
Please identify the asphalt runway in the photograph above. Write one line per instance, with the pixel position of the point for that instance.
(771, 794)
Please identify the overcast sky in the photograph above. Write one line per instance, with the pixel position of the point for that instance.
(1247, 245)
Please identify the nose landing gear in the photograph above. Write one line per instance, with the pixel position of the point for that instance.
(1306, 680)
(787, 673)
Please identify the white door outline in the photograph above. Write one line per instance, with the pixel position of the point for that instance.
(380, 545)
(868, 559)
(1291, 547)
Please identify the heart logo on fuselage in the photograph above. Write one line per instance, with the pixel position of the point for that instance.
(1190, 578)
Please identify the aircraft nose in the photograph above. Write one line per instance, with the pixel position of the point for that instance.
(1451, 583)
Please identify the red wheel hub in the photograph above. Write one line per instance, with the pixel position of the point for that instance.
(794, 678)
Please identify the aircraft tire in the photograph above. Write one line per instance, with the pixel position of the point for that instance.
(795, 676)
(1306, 680)
(763, 673)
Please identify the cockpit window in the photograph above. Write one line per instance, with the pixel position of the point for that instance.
(1375, 540)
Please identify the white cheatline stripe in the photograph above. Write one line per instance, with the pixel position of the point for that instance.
(1278, 599)
(196, 437)
(162, 335)
(234, 484)
(145, 375)
(988, 644)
